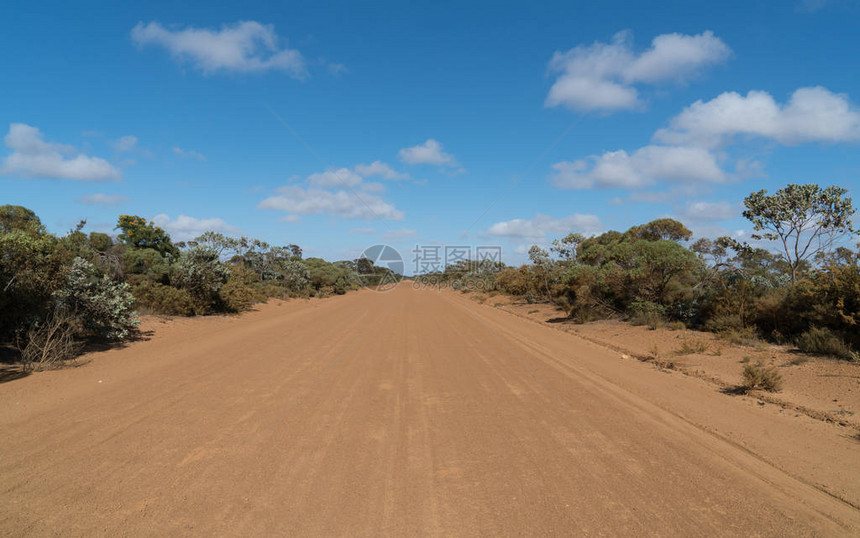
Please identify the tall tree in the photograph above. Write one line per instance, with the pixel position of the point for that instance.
(805, 220)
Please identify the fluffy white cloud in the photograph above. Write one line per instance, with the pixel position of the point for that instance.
(430, 152)
(643, 167)
(811, 115)
(349, 205)
(33, 157)
(372, 187)
(603, 76)
(379, 169)
(102, 199)
(341, 177)
(185, 228)
(701, 211)
(125, 143)
(188, 153)
(246, 46)
(536, 229)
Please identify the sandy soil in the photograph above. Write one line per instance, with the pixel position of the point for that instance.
(821, 387)
(405, 413)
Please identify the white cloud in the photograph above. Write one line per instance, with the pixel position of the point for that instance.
(185, 228)
(399, 235)
(298, 200)
(430, 152)
(379, 169)
(536, 229)
(341, 177)
(290, 218)
(603, 76)
(811, 115)
(188, 153)
(245, 47)
(372, 187)
(125, 143)
(701, 211)
(33, 157)
(643, 167)
(363, 231)
(102, 199)
(336, 69)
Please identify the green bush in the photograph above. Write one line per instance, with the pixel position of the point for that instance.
(821, 341)
(103, 308)
(161, 299)
(723, 323)
(238, 293)
(237, 296)
(740, 337)
(647, 313)
(201, 274)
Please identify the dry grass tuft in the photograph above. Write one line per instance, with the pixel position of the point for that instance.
(757, 376)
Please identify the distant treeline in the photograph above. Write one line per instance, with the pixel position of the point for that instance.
(59, 292)
(806, 291)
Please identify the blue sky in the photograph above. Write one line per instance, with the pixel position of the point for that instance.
(339, 125)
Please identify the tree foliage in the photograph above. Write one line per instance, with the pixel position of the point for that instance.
(806, 290)
(57, 292)
(804, 220)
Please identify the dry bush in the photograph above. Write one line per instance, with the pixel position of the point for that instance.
(324, 292)
(692, 346)
(741, 337)
(50, 343)
(757, 376)
(822, 341)
(653, 320)
(647, 313)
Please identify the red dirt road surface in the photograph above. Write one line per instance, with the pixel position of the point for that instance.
(405, 413)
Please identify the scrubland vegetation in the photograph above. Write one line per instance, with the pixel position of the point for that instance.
(59, 293)
(805, 291)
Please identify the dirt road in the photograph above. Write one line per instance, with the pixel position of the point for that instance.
(405, 413)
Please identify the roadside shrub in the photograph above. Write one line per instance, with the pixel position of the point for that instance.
(144, 264)
(822, 341)
(201, 274)
(50, 342)
(516, 281)
(325, 291)
(647, 313)
(101, 307)
(757, 376)
(740, 337)
(270, 288)
(692, 346)
(295, 276)
(724, 322)
(237, 294)
(162, 299)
